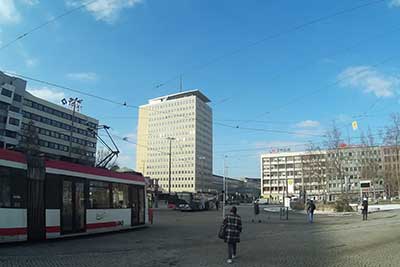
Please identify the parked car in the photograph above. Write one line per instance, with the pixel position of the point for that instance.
(262, 201)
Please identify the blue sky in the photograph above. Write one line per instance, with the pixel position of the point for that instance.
(299, 82)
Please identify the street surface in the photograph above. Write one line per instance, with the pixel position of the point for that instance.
(190, 239)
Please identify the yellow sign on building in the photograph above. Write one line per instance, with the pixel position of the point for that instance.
(354, 124)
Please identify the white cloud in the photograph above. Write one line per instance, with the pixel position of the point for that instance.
(47, 94)
(105, 10)
(30, 2)
(308, 124)
(82, 76)
(31, 62)
(369, 80)
(394, 3)
(8, 12)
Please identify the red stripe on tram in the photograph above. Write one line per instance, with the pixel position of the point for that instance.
(13, 231)
(53, 229)
(101, 225)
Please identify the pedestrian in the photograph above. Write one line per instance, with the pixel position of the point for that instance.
(310, 211)
(365, 209)
(256, 211)
(217, 204)
(233, 227)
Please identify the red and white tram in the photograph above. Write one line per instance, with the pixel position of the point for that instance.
(70, 200)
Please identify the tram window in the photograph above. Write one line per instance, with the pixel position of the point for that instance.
(12, 188)
(99, 195)
(53, 192)
(120, 196)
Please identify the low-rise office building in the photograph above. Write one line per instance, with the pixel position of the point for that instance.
(62, 133)
(323, 175)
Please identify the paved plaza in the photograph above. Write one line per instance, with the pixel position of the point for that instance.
(190, 239)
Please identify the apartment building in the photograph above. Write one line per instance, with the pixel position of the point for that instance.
(62, 133)
(176, 127)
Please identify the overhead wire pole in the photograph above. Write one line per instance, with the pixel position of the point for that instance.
(72, 102)
(224, 189)
(202, 176)
(169, 163)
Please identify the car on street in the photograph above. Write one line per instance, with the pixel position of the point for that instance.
(262, 201)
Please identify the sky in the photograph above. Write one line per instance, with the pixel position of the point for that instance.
(278, 73)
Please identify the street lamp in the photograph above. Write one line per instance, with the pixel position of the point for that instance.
(169, 165)
(75, 104)
(202, 158)
(225, 189)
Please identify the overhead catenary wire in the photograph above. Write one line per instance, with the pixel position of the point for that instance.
(267, 130)
(292, 29)
(44, 24)
(153, 110)
(133, 106)
(335, 83)
(302, 145)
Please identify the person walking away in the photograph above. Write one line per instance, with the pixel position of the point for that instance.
(233, 228)
(256, 211)
(365, 209)
(310, 211)
(217, 204)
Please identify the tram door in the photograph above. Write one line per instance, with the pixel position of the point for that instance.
(134, 204)
(141, 205)
(73, 212)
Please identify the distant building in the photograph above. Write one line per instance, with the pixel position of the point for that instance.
(184, 121)
(58, 129)
(251, 186)
(244, 186)
(323, 174)
(292, 174)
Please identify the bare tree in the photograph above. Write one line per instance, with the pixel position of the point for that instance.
(335, 159)
(314, 171)
(30, 140)
(101, 154)
(392, 139)
(370, 160)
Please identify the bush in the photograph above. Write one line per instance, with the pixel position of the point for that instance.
(326, 206)
(298, 205)
(343, 205)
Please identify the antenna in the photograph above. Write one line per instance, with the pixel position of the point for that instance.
(180, 84)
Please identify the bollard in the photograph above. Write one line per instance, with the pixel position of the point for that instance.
(284, 213)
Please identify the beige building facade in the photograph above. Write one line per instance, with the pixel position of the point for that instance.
(180, 123)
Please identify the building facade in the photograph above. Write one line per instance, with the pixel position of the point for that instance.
(11, 100)
(292, 174)
(180, 123)
(323, 175)
(62, 133)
